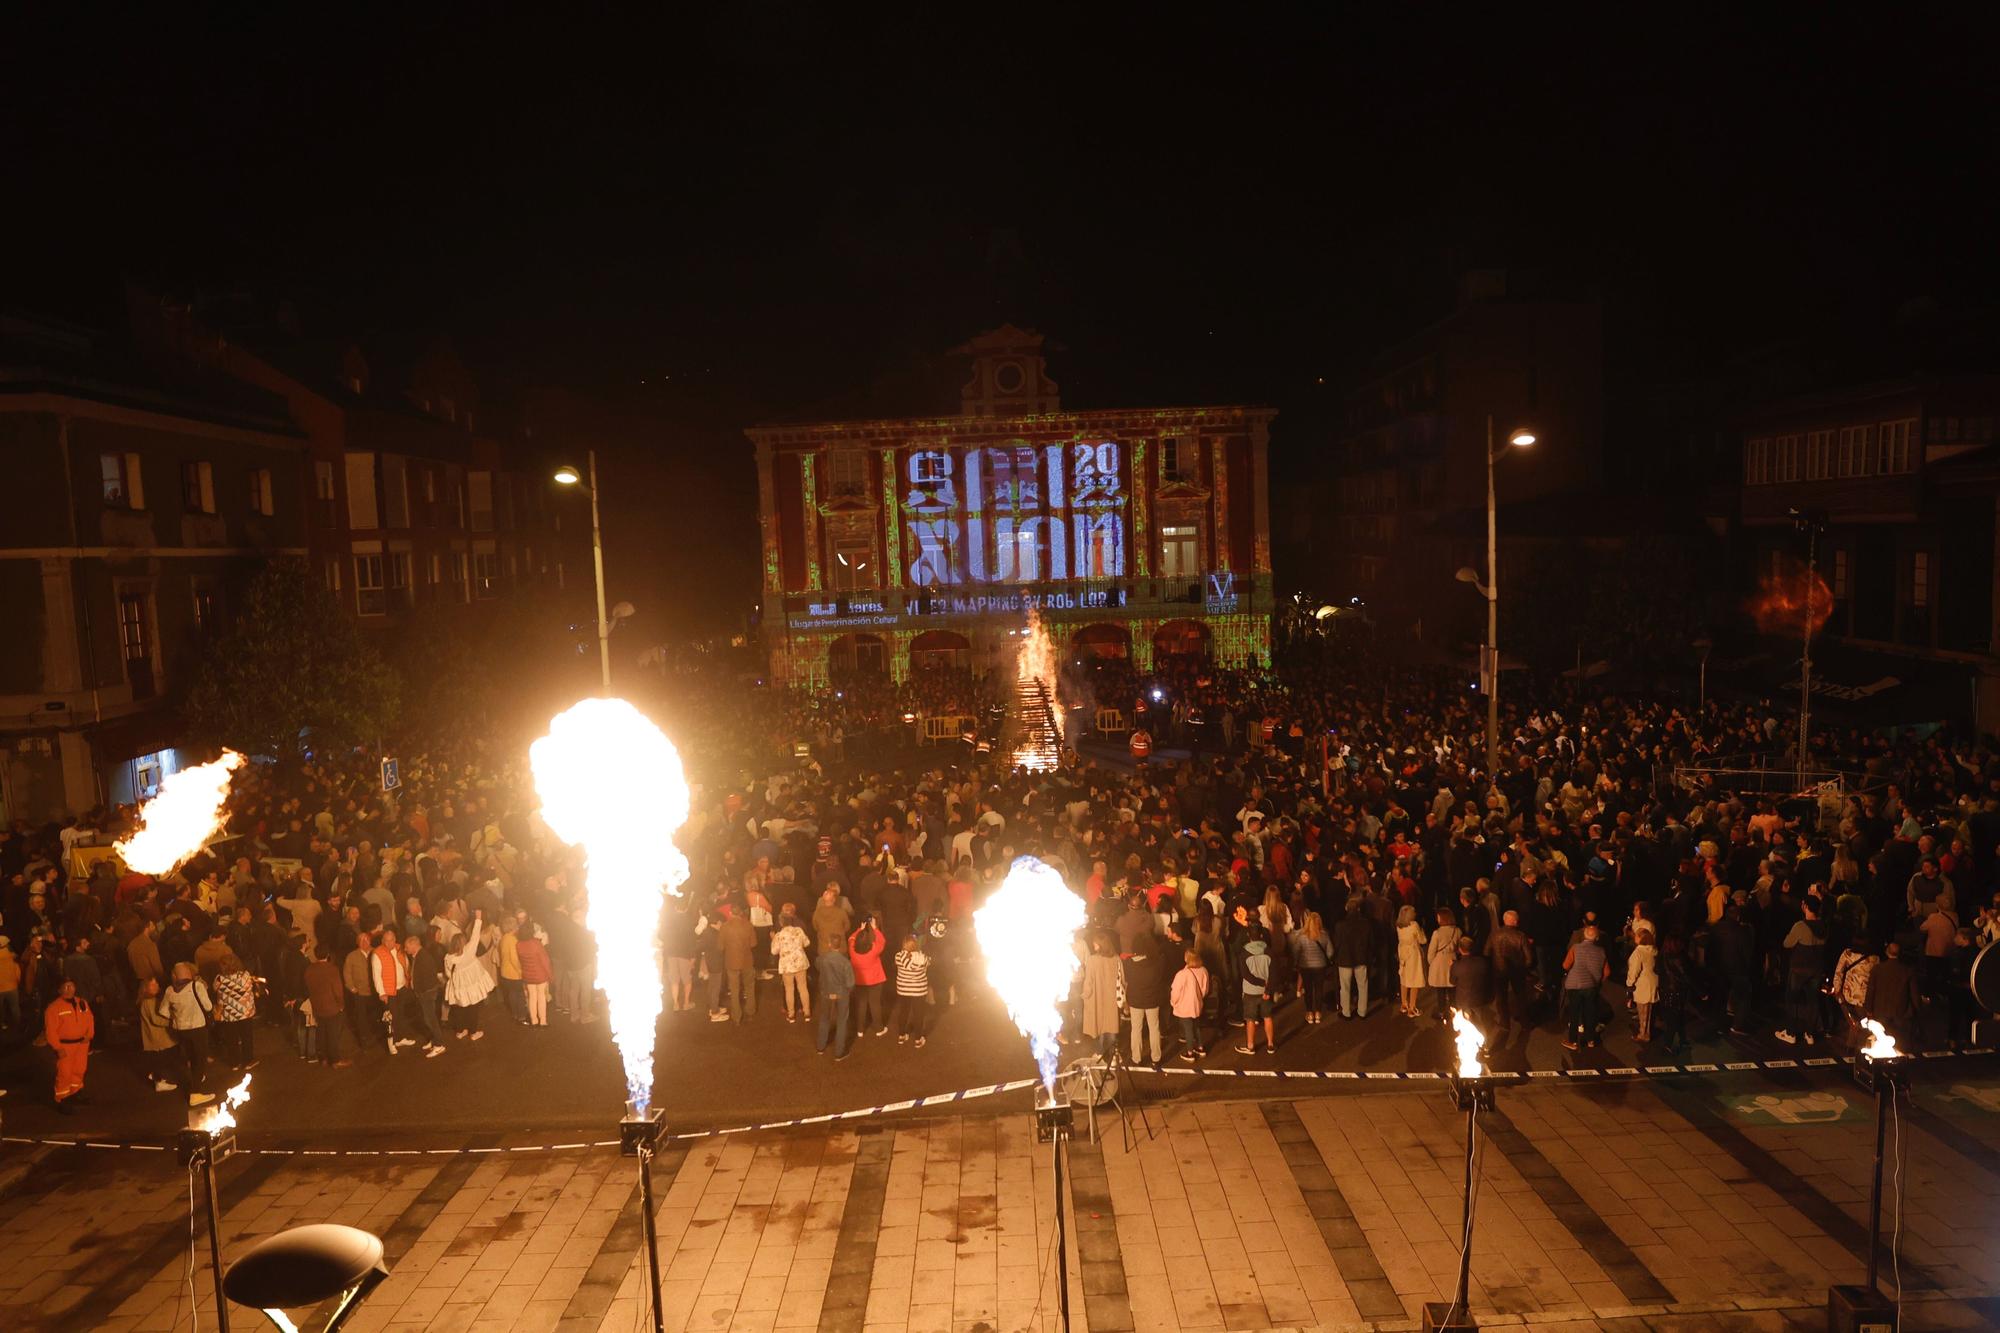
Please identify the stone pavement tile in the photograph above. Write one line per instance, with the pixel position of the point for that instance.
(1197, 1309)
(930, 1319)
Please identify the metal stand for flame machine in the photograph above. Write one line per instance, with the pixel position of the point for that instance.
(1470, 1095)
(1864, 1309)
(639, 1136)
(1052, 1124)
(200, 1146)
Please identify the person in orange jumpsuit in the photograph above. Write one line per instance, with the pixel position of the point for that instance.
(69, 1026)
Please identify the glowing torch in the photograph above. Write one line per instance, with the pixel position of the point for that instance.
(206, 1140)
(1027, 930)
(611, 780)
(1881, 1066)
(178, 822)
(1471, 1089)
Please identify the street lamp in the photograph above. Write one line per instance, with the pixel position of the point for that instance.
(1518, 438)
(568, 476)
(1704, 645)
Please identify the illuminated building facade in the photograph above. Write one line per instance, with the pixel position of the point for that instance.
(1133, 532)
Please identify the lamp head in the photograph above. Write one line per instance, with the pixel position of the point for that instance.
(567, 475)
(1467, 574)
(1520, 437)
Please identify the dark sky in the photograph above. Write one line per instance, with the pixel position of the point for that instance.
(698, 220)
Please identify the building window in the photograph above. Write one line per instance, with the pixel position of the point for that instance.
(135, 637)
(1895, 450)
(486, 575)
(1839, 580)
(204, 606)
(1174, 460)
(123, 486)
(197, 488)
(1920, 579)
(261, 501)
(431, 487)
(1180, 551)
(323, 493)
(846, 473)
(1787, 464)
(1819, 455)
(1856, 444)
(437, 570)
(330, 571)
(853, 562)
(457, 568)
(396, 566)
(482, 501)
(368, 574)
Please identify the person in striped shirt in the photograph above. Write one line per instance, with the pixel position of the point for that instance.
(913, 992)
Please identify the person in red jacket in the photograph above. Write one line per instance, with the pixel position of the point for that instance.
(868, 976)
(68, 1024)
(535, 974)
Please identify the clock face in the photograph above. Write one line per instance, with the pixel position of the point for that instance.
(1008, 378)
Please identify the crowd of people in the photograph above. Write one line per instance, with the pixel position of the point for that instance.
(1331, 843)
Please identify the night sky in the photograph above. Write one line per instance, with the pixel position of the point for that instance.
(688, 224)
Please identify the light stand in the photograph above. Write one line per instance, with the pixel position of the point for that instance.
(639, 1136)
(204, 1147)
(1052, 1125)
(305, 1266)
(1470, 1095)
(1863, 1309)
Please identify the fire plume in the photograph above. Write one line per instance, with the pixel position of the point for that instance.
(222, 1115)
(1881, 1046)
(1026, 931)
(611, 780)
(1469, 1040)
(1787, 599)
(178, 822)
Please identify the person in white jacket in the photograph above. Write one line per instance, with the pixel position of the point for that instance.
(467, 983)
(186, 1006)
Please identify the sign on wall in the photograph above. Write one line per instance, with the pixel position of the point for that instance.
(1015, 514)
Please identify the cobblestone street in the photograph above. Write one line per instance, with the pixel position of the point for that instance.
(1668, 1203)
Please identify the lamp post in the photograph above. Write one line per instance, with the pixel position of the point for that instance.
(567, 476)
(1703, 645)
(1518, 438)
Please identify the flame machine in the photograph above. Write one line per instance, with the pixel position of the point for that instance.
(1470, 1087)
(1052, 1124)
(1883, 1069)
(202, 1146)
(639, 1136)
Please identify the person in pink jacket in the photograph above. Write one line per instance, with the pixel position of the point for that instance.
(868, 977)
(1189, 994)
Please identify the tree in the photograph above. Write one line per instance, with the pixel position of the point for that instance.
(292, 671)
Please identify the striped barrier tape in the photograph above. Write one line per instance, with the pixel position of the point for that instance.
(1577, 1075)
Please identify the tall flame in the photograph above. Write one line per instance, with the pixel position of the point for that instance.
(1470, 1041)
(1026, 930)
(1035, 691)
(611, 780)
(222, 1115)
(175, 824)
(1881, 1046)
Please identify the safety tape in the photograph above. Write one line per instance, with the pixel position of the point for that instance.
(1577, 1075)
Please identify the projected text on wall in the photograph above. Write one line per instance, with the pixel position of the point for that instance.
(1015, 514)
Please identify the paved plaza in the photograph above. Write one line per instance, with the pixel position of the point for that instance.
(1688, 1202)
